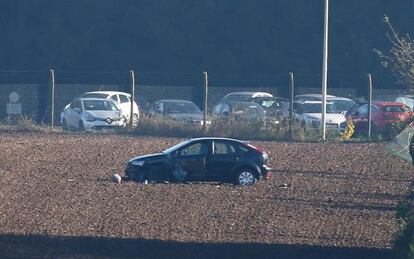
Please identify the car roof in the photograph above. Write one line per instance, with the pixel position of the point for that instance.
(337, 98)
(310, 101)
(270, 98)
(312, 95)
(174, 100)
(388, 104)
(94, 99)
(108, 93)
(216, 138)
(253, 94)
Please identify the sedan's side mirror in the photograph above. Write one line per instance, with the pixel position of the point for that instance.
(76, 109)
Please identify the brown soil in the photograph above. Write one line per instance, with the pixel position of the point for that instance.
(324, 200)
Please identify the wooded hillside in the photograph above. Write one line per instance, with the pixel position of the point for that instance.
(187, 36)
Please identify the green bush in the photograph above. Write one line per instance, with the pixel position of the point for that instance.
(22, 123)
(230, 127)
(151, 125)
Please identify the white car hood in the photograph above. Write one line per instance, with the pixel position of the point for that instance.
(330, 117)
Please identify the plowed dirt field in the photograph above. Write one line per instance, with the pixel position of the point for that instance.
(329, 200)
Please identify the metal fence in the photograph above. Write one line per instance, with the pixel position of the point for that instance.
(30, 92)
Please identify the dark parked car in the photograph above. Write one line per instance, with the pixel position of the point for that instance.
(203, 159)
(273, 106)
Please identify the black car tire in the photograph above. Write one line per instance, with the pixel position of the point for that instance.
(245, 177)
(135, 119)
(81, 127)
(137, 176)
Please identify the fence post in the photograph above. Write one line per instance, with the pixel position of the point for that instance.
(292, 94)
(369, 106)
(131, 116)
(52, 106)
(205, 101)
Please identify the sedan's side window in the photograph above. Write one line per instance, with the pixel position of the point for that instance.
(361, 111)
(217, 108)
(223, 148)
(123, 98)
(194, 150)
(76, 104)
(225, 109)
(114, 98)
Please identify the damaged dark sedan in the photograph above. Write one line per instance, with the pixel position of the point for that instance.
(203, 159)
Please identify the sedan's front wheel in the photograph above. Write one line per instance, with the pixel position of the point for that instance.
(135, 120)
(246, 177)
(81, 126)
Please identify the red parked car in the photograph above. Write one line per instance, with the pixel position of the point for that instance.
(383, 114)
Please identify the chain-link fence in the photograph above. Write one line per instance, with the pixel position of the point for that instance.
(24, 93)
(29, 93)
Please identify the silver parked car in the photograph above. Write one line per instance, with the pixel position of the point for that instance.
(245, 111)
(179, 110)
(238, 97)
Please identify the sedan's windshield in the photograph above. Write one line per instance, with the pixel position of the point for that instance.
(99, 105)
(276, 104)
(394, 108)
(342, 105)
(95, 95)
(238, 98)
(175, 147)
(315, 108)
(181, 107)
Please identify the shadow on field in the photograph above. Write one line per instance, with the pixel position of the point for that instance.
(97, 247)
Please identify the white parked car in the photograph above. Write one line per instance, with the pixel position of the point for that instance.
(342, 104)
(238, 97)
(180, 110)
(309, 114)
(311, 97)
(87, 114)
(121, 99)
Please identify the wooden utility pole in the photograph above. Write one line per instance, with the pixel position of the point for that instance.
(52, 101)
(205, 101)
(131, 116)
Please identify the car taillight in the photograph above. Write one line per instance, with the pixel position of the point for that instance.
(257, 149)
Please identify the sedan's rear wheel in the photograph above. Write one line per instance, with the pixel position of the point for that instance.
(245, 177)
(135, 120)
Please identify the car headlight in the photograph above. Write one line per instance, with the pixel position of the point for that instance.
(118, 114)
(137, 162)
(89, 117)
